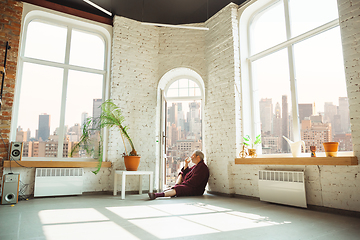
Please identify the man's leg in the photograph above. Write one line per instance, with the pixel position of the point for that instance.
(167, 193)
(170, 193)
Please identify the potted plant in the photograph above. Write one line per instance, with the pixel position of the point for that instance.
(248, 142)
(111, 116)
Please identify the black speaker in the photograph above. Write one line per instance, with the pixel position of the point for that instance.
(16, 151)
(10, 188)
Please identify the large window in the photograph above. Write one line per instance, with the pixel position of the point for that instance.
(61, 81)
(297, 79)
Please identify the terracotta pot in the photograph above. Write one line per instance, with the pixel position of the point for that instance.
(331, 148)
(252, 152)
(131, 162)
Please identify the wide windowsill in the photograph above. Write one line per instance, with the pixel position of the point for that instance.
(55, 164)
(339, 160)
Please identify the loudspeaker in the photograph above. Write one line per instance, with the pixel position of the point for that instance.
(10, 188)
(16, 149)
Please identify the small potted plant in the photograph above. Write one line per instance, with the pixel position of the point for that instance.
(248, 142)
(111, 116)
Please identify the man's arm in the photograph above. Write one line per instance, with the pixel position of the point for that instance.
(179, 179)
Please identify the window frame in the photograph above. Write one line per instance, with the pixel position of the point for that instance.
(31, 13)
(251, 125)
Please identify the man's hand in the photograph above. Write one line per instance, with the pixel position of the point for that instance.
(187, 161)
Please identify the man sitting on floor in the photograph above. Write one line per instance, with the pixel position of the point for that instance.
(191, 181)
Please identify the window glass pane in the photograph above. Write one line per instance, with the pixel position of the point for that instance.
(172, 93)
(39, 109)
(322, 95)
(183, 88)
(192, 84)
(183, 83)
(87, 50)
(268, 28)
(192, 92)
(45, 41)
(183, 92)
(80, 104)
(272, 87)
(304, 18)
(197, 92)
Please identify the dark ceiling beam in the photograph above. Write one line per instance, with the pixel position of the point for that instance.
(71, 11)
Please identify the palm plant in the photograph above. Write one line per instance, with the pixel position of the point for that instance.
(111, 116)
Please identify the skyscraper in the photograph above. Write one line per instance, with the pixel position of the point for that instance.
(285, 124)
(305, 110)
(277, 121)
(84, 116)
(344, 114)
(96, 109)
(266, 113)
(330, 110)
(44, 127)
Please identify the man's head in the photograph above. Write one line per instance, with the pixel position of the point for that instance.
(197, 156)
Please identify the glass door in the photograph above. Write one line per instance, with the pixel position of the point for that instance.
(183, 135)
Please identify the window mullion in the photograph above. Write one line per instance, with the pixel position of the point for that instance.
(63, 97)
(293, 85)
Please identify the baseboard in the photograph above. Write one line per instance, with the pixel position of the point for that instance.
(334, 211)
(233, 195)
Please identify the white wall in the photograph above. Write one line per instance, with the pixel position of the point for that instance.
(222, 59)
(142, 54)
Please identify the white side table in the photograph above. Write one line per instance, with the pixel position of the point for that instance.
(123, 182)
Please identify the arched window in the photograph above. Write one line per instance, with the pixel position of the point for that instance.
(61, 80)
(183, 88)
(293, 74)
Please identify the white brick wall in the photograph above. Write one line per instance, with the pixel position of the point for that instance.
(182, 48)
(219, 123)
(141, 55)
(133, 88)
(349, 16)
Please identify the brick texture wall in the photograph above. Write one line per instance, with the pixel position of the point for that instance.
(141, 55)
(133, 88)
(182, 48)
(222, 62)
(10, 25)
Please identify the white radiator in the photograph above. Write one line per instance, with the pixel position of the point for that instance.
(58, 181)
(284, 187)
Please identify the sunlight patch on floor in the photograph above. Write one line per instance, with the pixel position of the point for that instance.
(94, 230)
(182, 209)
(171, 227)
(132, 212)
(70, 215)
(227, 222)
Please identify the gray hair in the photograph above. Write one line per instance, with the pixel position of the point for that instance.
(199, 153)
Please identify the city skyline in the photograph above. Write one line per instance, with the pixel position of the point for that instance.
(315, 127)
